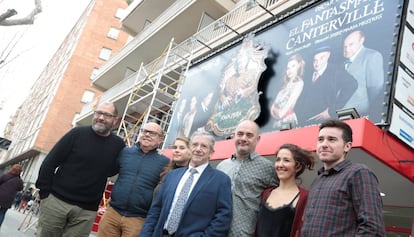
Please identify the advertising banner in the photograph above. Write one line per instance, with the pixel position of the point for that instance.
(332, 56)
(402, 120)
(404, 90)
(402, 126)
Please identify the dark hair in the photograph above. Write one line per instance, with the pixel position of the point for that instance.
(298, 58)
(346, 129)
(113, 105)
(304, 158)
(115, 110)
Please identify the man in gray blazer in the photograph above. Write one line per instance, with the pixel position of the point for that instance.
(366, 66)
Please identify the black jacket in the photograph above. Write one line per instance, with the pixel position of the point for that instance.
(10, 184)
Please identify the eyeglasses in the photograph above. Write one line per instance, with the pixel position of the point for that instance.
(151, 133)
(98, 114)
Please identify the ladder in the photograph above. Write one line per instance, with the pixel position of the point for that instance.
(155, 91)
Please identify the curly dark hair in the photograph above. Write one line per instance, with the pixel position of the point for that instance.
(304, 158)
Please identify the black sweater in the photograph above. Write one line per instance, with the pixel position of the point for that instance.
(77, 167)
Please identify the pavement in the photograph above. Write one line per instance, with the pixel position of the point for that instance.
(17, 224)
(14, 221)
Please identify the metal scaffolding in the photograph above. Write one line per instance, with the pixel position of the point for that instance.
(156, 88)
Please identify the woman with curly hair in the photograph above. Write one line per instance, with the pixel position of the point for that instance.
(282, 206)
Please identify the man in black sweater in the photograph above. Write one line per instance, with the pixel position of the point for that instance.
(73, 175)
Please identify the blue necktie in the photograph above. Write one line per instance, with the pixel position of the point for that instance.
(179, 205)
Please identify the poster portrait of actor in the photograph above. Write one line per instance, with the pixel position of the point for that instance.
(204, 110)
(366, 66)
(179, 117)
(283, 106)
(197, 116)
(189, 117)
(327, 88)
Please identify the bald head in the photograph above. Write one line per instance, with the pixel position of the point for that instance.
(151, 136)
(248, 123)
(246, 138)
(353, 43)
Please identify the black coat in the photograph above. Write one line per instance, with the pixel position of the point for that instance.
(10, 184)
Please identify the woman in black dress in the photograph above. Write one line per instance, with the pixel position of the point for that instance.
(281, 209)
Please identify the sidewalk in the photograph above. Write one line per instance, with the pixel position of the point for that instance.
(14, 220)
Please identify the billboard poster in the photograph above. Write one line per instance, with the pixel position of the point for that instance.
(332, 56)
(402, 119)
(407, 49)
(410, 14)
(404, 89)
(402, 126)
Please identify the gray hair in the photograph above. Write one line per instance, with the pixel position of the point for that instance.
(204, 134)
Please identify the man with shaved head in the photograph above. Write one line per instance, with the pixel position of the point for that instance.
(139, 174)
(250, 174)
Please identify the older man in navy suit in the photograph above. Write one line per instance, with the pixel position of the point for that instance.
(206, 207)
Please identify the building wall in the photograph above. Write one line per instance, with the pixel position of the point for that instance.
(76, 78)
(55, 98)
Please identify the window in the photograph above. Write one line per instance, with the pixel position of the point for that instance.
(94, 73)
(120, 13)
(105, 54)
(87, 96)
(113, 33)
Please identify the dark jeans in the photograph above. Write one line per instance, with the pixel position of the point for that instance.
(2, 214)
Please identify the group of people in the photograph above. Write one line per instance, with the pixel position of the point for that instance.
(25, 199)
(310, 98)
(245, 195)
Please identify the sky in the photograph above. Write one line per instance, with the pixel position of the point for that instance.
(36, 47)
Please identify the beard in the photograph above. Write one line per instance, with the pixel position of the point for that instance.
(101, 129)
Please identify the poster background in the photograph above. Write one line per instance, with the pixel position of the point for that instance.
(303, 34)
(402, 120)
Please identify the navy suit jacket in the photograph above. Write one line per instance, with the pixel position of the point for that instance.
(207, 212)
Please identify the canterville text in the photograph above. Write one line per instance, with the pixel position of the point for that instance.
(332, 19)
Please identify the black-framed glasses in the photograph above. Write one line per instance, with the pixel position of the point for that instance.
(98, 114)
(149, 132)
